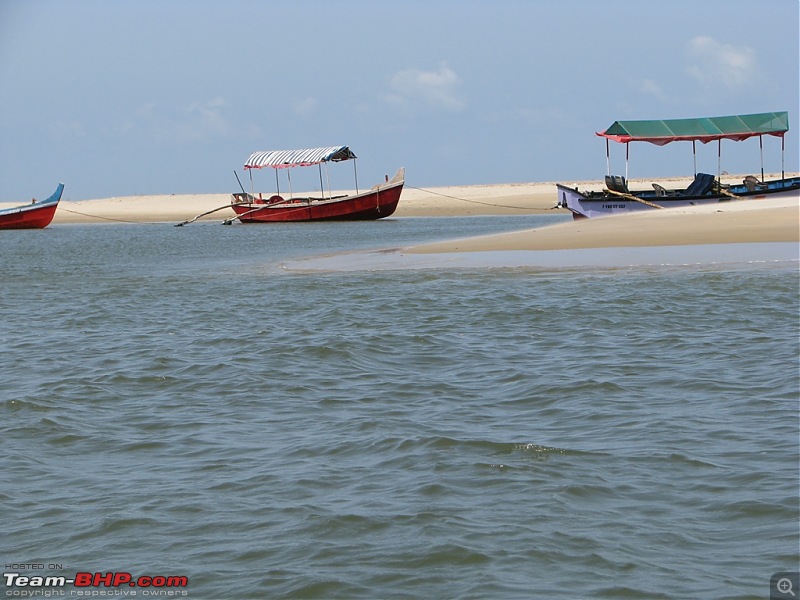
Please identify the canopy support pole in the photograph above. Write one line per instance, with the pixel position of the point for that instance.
(783, 148)
(277, 183)
(627, 154)
(719, 159)
(328, 179)
(289, 177)
(321, 186)
(694, 157)
(761, 147)
(355, 173)
(608, 159)
(252, 191)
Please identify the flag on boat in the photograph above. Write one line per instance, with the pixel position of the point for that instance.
(281, 159)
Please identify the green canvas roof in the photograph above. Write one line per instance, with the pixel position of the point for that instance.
(707, 129)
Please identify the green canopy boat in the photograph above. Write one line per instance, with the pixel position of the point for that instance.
(705, 188)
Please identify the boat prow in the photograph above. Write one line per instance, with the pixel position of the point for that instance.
(36, 215)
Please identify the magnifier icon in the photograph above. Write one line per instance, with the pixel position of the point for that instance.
(784, 586)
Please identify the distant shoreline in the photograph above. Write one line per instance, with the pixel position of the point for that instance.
(747, 221)
(479, 199)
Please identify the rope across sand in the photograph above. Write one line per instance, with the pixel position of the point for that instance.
(730, 222)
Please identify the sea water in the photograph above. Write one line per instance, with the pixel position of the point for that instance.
(193, 402)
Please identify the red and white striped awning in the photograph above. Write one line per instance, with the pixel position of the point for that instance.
(281, 159)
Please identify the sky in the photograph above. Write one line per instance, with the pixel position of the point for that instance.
(134, 97)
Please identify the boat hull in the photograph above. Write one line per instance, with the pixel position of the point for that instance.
(377, 203)
(32, 216)
(604, 204)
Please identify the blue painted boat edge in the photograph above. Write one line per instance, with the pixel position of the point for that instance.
(56, 195)
(53, 199)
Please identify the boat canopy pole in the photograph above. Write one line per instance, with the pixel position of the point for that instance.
(719, 159)
(355, 173)
(761, 147)
(694, 157)
(321, 187)
(277, 183)
(328, 179)
(608, 159)
(252, 190)
(289, 177)
(783, 148)
(627, 154)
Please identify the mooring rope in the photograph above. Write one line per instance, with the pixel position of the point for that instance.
(478, 201)
(635, 198)
(75, 212)
(293, 209)
(725, 192)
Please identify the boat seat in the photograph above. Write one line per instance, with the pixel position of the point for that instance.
(752, 183)
(660, 190)
(700, 186)
(617, 183)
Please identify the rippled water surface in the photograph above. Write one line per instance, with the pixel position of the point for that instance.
(174, 402)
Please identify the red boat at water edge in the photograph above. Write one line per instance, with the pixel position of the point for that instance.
(378, 202)
(36, 215)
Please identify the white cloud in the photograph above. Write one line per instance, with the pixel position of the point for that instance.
(649, 87)
(305, 107)
(435, 89)
(204, 120)
(195, 122)
(69, 129)
(718, 64)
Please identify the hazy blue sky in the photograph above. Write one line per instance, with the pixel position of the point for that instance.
(118, 98)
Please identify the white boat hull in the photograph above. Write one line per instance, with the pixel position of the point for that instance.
(594, 204)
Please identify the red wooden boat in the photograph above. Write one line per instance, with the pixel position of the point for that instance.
(36, 215)
(378, 202)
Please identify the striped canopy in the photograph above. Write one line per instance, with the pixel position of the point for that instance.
(281, 159)
(735, 127)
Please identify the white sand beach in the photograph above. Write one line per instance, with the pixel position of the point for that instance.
(746, 221)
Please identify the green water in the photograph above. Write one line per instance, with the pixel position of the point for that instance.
(175, 402)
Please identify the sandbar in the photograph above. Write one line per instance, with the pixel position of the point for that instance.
(745, 221)
(735, 222)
